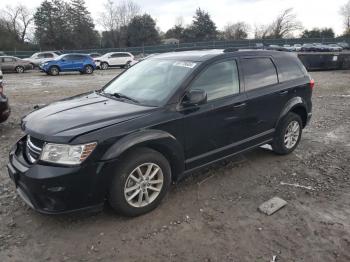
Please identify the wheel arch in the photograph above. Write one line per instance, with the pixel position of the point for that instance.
(297, 106)
(158, 140)
(59, 68)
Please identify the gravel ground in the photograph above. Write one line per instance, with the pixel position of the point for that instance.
(210, 216)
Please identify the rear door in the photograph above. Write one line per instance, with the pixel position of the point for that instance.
(266, 98)
(78, 62)
(212, 129)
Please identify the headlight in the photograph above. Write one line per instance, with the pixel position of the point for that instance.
(66, 154)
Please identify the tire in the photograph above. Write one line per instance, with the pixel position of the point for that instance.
(104, 66)
(288, 134)
(54, 71)
(142, 158)
(19, 69)
(88, 69)
(127, 65)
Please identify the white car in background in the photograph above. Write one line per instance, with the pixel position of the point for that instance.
(42, 57)
(120, 59)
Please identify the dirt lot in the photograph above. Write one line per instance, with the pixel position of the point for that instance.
(210, 216)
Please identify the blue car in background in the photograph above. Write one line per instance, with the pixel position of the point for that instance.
(68, 63)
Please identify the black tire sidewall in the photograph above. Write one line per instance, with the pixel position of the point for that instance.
(86, 69)
(50, 70)
(133, 159)
(102, 66)
(17, 67)
(278, 143)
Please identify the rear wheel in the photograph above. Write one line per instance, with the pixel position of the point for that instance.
(88, 69)
(140, 182)
(104, 66)
(54, 71)
(288, 134)
(19, 69)
(127, 65)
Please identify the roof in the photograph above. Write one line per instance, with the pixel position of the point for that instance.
(204, 55)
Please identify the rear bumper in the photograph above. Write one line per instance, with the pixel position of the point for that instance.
(5, 109)
(57, 189)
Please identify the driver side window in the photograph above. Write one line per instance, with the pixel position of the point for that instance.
(218, 80)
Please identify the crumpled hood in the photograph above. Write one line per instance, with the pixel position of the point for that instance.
(66, 119)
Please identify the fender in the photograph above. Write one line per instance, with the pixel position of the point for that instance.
(292, 103)
(159, 140)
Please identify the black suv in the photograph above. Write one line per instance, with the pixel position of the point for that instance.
(156, 122)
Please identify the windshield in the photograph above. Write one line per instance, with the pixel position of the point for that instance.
(152, 81)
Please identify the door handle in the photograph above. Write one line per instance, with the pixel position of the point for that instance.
(282, 93)
(239, 105)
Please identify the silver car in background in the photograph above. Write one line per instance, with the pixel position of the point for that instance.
(42, 57)
(14, 64)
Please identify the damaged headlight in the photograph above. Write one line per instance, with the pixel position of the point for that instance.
(66, 154)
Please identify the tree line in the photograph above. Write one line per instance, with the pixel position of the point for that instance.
(58, 25)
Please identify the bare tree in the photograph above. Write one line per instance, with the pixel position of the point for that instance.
(236, 31)
(284, 25)
(115, 18)
(261, 31)
(345, 12)
(18, 19)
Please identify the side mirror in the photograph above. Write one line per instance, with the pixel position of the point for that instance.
(195, 97)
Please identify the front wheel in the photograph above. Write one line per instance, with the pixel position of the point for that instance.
(140, 182)
(104, 66)
(54, 71)
(288, 134)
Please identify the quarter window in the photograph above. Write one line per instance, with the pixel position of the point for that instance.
(259, 72)
(218, 80)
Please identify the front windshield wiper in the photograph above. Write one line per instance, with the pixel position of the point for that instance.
(122, 96)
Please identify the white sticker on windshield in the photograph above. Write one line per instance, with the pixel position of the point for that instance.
(185, 64)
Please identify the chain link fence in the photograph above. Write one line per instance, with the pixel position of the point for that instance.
(215, 44)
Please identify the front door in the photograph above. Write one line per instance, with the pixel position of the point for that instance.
(212, 130)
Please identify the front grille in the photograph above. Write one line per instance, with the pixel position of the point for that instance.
(33, 149)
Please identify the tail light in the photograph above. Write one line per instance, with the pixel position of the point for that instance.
(312, 84)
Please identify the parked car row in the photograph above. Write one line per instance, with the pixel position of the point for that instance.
(312, 47)
(53, 62)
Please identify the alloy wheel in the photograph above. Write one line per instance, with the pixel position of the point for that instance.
(143, 185)
(291, 135)
(19, 69)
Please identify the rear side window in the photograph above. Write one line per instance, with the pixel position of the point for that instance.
(48, 55)
(218, 80)
(259, 72)
(289, 69)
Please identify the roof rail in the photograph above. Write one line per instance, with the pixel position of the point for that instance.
(191, 49)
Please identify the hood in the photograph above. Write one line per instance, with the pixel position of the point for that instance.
(66, 119)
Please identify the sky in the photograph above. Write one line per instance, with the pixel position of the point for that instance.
(312, 13)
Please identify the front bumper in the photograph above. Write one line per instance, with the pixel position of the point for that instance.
(5, 109)
(52, 189)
